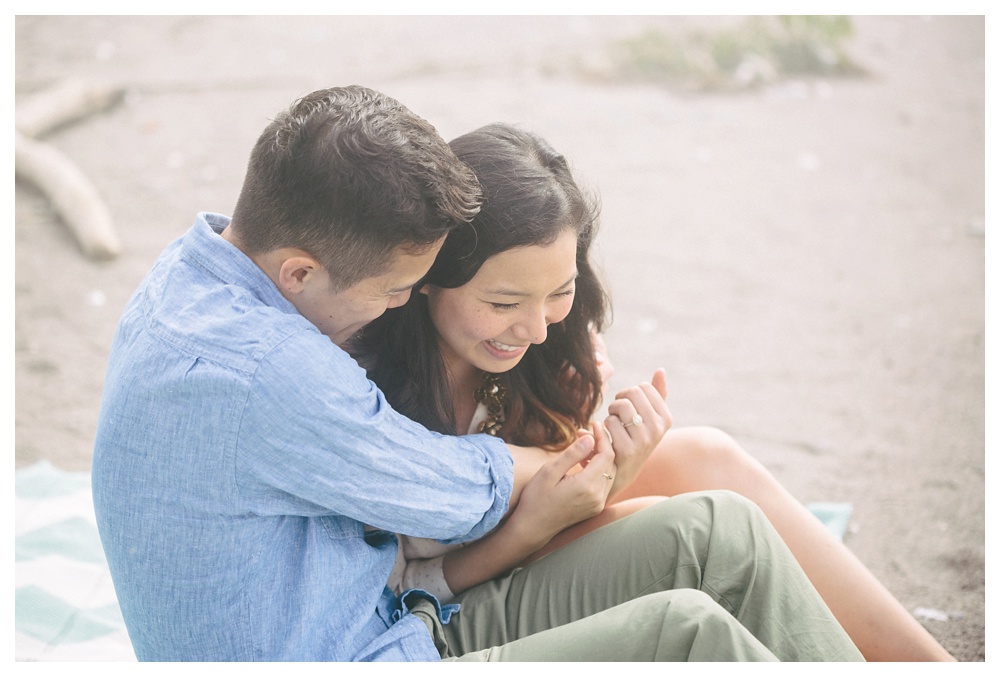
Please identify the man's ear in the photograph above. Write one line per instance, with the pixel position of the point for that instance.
(297, 272)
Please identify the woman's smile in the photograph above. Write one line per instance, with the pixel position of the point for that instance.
(502, 350)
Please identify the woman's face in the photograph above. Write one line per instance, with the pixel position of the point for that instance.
(491, 320)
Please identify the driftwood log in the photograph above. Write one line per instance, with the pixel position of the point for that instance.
(71, 193)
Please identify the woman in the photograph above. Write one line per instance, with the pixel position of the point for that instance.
(501, 339)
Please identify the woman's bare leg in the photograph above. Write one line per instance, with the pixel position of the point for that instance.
(698, 459)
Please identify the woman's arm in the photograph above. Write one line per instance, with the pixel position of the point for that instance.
(527, 462)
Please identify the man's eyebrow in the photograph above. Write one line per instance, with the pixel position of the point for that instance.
(504, 291)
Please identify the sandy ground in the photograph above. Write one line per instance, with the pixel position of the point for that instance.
(807, 261)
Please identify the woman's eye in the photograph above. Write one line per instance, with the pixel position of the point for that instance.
(504, 306)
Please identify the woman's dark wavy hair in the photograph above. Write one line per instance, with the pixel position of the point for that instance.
(530, 198)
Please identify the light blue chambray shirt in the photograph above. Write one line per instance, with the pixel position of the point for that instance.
(239, 456)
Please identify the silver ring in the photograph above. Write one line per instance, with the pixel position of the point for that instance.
(636, 420)
(608, 475)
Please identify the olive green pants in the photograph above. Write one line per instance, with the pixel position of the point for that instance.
(697, 577)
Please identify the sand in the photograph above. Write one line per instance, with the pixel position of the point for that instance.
(806, 260)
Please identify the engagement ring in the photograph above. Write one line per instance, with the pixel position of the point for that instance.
(636, 420)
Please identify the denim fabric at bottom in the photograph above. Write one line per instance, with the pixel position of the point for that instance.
(239, 457)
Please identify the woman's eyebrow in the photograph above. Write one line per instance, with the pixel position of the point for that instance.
(506, 291)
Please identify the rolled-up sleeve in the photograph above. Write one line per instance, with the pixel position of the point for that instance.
(317, 437)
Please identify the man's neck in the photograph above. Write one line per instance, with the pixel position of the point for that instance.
(230, 236)
(263, 262)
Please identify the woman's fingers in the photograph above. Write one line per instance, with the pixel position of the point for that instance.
(660, 382)
(647, 400)
(572, 455)
(600, 471)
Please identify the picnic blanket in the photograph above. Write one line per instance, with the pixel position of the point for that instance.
(65, 607)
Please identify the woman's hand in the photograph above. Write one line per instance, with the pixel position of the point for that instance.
(604, 365)
(637, 420)
(556, 498)
(552, 500)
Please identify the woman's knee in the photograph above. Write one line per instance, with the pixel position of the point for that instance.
(709, 447)
(703, 458)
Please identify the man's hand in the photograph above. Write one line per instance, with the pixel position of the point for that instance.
(637, 420)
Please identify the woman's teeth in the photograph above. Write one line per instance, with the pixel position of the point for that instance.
(501, 346)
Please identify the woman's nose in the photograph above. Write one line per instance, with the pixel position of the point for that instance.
(533, 328)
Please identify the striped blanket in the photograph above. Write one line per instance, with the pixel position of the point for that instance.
(64, 602)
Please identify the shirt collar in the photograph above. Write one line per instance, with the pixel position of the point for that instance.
(206, 248)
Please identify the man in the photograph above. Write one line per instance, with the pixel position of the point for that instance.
(248, 478)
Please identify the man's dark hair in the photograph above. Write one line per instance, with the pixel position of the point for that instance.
(351, 176)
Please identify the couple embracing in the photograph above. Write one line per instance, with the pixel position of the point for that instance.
(357, 421)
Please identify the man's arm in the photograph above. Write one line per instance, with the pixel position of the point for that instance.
(325, 442)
